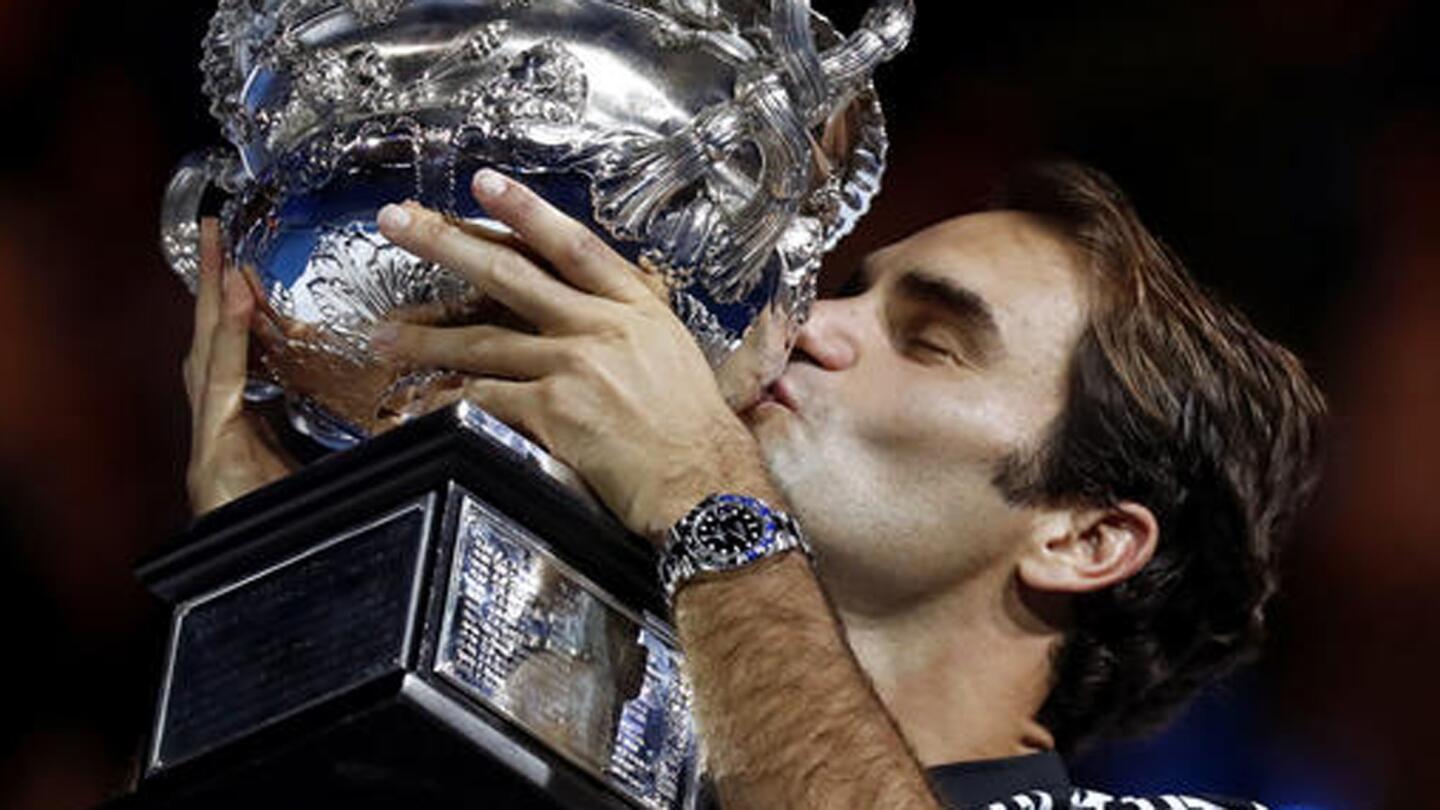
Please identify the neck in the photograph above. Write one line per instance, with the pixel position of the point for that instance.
(963, 674)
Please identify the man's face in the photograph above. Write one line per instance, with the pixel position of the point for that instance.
(900, 401)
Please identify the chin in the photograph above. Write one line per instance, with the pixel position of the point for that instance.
(769, 422)
(771, 429)
(793, 467)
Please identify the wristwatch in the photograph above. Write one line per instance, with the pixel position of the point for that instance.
(726, 533)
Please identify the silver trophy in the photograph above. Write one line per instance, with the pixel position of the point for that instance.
(724, 146)
(449, 574)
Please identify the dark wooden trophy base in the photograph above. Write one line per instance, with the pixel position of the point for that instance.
(302, 666)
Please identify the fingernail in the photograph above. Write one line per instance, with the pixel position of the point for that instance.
(489, 183)
(393, 218)
(384, 337)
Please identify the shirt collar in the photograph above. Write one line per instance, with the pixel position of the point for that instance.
(991, 780)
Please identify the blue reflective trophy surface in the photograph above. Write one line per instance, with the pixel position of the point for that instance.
(437, 611)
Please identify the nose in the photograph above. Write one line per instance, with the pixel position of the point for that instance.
(831, 337)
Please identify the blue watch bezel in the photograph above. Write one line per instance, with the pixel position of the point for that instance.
(684, 559)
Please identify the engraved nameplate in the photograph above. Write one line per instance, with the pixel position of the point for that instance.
(536, 642)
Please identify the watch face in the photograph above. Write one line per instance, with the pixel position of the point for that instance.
(729, 532)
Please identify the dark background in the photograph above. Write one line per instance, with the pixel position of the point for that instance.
(1289, 150)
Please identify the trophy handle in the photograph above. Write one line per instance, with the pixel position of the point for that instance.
(883, 33)
(820, 84)
(638, 178)
(197, 173)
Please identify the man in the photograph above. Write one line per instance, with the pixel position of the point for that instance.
(1042, 473)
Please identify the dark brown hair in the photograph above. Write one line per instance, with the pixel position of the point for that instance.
(1176, 402)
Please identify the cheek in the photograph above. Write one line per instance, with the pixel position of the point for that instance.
(913, 446)
(903, 504)
(949, 427)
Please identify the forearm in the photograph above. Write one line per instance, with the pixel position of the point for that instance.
(786, 715)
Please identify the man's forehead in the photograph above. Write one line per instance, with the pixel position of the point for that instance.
(1021, 265)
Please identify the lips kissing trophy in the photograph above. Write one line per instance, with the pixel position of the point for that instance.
(440, 613)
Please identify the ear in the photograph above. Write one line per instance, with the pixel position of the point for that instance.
(1083, 550)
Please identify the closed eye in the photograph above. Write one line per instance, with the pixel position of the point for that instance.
(934, 316)
(928, 346)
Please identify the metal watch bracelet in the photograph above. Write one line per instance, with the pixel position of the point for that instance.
(726, 532)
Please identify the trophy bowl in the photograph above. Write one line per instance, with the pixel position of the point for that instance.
(722, 145)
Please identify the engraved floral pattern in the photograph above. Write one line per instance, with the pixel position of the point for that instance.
(356, 278)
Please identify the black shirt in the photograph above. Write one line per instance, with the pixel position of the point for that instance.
(1039, 782)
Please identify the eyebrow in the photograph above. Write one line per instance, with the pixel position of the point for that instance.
(959, 304)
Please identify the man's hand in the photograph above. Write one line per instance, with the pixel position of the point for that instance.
(611, 383)
(230, 453)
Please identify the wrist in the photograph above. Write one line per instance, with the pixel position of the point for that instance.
(733, 465)
(768, 582)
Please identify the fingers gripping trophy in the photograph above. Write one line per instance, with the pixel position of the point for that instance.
(443, 607)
